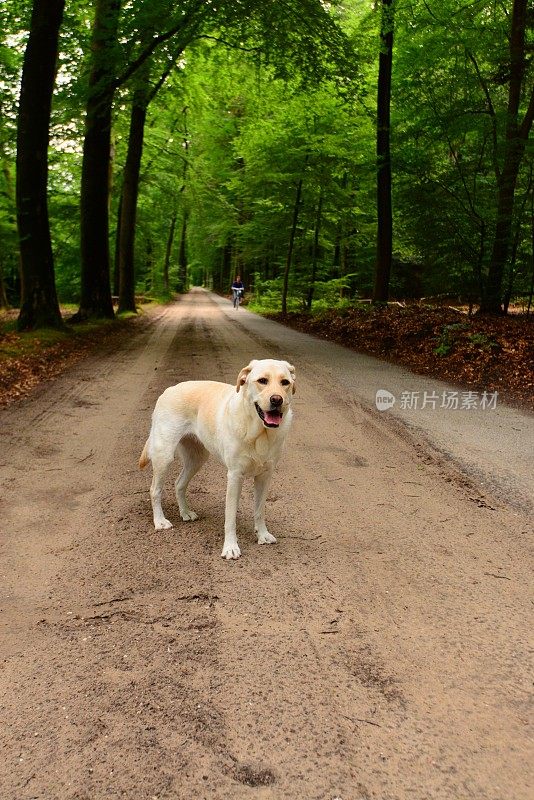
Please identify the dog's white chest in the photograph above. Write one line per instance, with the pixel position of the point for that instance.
(258, 456)
(262, 446)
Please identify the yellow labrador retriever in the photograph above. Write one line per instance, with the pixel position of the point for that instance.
(244, 426)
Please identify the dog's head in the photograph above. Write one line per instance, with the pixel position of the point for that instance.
(270, 385)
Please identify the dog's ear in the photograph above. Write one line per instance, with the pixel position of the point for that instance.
(243, 375)
(291, 369)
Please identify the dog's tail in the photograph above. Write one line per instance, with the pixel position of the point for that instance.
(144, 458)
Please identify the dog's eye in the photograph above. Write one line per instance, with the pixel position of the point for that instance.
(264, 381)
(285, 382)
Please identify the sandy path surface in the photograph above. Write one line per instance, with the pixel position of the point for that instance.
(490, 442)
(380, 650)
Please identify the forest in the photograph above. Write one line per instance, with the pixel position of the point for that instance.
(328, 152)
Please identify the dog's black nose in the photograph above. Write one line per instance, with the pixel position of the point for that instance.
(276, 400)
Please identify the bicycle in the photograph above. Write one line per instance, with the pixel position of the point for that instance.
(238, 296)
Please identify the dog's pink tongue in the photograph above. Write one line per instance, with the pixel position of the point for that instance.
(272, 417)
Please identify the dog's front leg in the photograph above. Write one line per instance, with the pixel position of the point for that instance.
(233, 493)
(261, 489)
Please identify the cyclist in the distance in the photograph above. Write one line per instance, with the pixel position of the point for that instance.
(238, 289)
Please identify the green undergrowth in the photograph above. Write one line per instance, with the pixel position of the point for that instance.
(16, 344)
(159, 296)
(271, 305)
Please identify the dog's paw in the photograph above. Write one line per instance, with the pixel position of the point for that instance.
(266, 538)
(188, 516)
(162, 524)
(230, 551)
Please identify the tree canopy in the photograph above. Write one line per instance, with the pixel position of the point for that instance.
(191, 141)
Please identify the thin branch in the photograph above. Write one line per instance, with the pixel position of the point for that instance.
(478, 169)
(470, 203)
(524, 128)
(491, 111)
(184, 23)
(229, 44)
(165, 74)
(454, 13)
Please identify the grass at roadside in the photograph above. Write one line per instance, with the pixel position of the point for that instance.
(14, 344)
(31, 357)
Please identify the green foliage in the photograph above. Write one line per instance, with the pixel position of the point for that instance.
(482, 340)
(268, 297)
(448, 139)
(328, 295)
(447, 338)
(269, 94)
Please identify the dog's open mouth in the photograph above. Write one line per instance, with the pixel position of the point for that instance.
(271, 419)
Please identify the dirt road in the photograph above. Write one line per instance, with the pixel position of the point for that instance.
(379, 650)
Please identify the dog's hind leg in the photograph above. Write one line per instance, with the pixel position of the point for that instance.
(161, 461)
(192, 454)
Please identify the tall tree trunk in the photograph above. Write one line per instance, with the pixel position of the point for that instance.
(337, 250)
(383, 157)
(182, 256)
(149, 250)
(116, 282)
(531, 292)
(340, 231)
(315, 251)
(130, 192)
(142, 97)
(511, 270)
(4, 303)
(12, 221)
(168, 250)
(516, 137)
(218, 269)
(343, 263)
(95, 298)
(478, 267)
(39, 303)
(181, 285)
(516, 241)
(492, 299)
(289, 259)
(226, 266)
